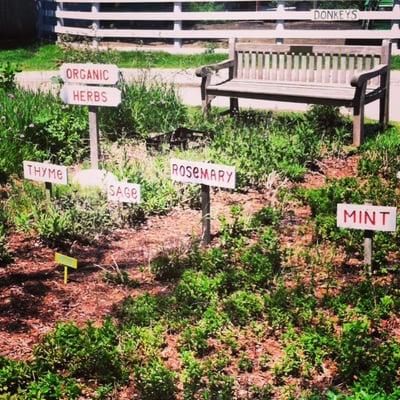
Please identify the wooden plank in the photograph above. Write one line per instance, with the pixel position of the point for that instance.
(327, 68)
(253, 69)
(335, 67)
(260, 65)
(296, 66)
(343, 69)
(351, 68)
(281, 73)
(273, 72)
(311, 68)
(289, 66)
(267, 66)
(303, 68)
(240, 65)
(318, 77)
(246, 66)
(360, 63)
(226, 33)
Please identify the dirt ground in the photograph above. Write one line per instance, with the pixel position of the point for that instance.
(33, 297)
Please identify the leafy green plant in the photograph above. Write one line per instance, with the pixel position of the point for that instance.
(135, 117)
(51, 386)
(155, 381)
(7, 75)
(142, 310)
(242, 306)
(245, 363)
(89, 352)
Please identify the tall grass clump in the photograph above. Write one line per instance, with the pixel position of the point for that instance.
(147, 106)
(36, 126)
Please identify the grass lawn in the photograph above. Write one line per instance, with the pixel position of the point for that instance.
(50, 56)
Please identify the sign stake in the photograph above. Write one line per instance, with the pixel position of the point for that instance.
(49, 190)
(66, 261)
(205, 211)
(368, 240)
(65, 275)
(94, 137)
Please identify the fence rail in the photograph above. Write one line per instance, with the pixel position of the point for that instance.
(91, 19)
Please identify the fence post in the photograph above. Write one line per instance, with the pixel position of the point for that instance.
(177, 24)
(60, 21)
(95, 24)
(280, 22)
(396, 22)
(39, 21)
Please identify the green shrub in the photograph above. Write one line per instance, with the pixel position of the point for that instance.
(245, 363)
(140, 345)
(37, 127)
(14, 375)
(220, 386)
(7, 75)
(243, 306)
(155, 381)
(147, 106)
(51, 386)
(90, 352)
(142, 310)
(168, 266)
(195, 292)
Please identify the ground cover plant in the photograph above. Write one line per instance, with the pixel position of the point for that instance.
(279, 306)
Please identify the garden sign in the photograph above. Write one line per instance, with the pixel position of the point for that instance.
(88, 84)
(368, 218)
(207, 175)
(47, 173)
(335, 15)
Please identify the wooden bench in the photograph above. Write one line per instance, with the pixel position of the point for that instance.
(349, 76)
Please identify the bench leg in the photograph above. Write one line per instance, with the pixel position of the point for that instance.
(358, 124)
(205, 99)
(234, 106)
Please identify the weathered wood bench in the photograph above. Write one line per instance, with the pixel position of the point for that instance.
(350, 76)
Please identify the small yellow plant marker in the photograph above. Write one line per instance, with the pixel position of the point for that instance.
(67, 262)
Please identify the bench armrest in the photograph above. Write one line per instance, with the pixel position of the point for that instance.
(359, 79)
(209, 69)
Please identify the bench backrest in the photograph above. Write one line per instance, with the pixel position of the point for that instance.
(306, 63)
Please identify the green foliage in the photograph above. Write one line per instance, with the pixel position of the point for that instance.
(89, 352)
(381, 156)
(242, 306)
(147, 106)
(7, 75)
(258, 143)
(36, 126)
(245, 363)
(155, 381)
(220, 387)
(5, 256)
(142, 310)
(168, 266)
(196, 291)
(14, 375)
(51, 386)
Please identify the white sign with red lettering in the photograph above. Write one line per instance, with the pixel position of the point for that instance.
(95, 74)
(90, 95)
(44, 172)
(205, 173)
(123, 192)
(366, 217)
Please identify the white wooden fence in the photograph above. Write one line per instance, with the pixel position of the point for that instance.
(85, 18)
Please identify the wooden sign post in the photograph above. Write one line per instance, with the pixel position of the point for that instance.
(368, 218)
(77, 91)
(47, 173)
(67, 262)
(207, 175)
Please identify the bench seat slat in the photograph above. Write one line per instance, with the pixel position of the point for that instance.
(243, 88)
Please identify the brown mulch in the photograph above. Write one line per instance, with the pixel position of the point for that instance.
(33, 297)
